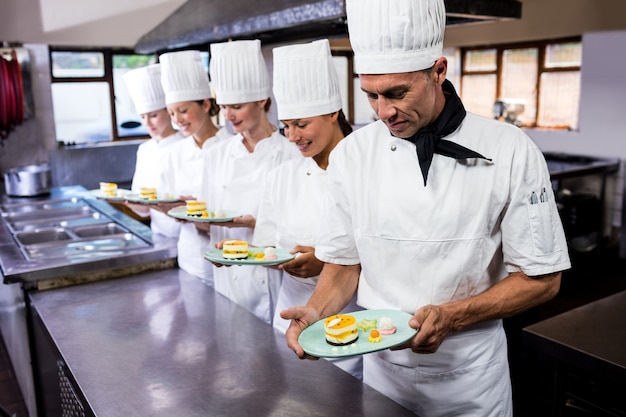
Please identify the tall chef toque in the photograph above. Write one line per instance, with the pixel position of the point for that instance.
(238, 72)
(183, 77)
(144, 87)
(394, 36)
(305, 81)
(397, 36)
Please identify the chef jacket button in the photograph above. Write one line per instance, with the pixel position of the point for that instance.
(308, 172)
(393, 147)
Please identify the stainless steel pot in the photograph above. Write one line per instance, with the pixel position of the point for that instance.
(28, 181)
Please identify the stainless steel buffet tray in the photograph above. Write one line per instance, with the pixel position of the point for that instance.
(70, 233)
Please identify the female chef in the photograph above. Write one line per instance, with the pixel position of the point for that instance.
(236, 171)
(189, 101)
(144, 87)
(308, 98)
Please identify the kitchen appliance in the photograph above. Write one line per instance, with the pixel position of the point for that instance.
(28, 181)
(509, 110)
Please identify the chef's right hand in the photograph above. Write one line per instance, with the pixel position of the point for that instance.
(301, 318)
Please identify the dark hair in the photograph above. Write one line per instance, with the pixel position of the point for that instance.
(344, 125)
(268, 104)
(214, 110)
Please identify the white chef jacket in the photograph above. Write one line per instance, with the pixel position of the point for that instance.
(148, 168)
(182, 176)
(455, 238)
(290, 215)
(234, 180)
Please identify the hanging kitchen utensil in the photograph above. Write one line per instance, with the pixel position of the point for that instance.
(11, 92)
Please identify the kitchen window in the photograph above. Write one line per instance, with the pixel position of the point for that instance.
(530, 85)
(89, 94)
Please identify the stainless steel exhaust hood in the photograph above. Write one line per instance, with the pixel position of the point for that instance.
(200, 22)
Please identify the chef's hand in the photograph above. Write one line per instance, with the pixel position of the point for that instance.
(245, 220)
(165, 207)
(304, 265)
(220, 245)
(203, 226)
(301, 318)
(433, 326)
(142, 209)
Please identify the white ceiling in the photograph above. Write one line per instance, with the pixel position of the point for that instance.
(82, 22)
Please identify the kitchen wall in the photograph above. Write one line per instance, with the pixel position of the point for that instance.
(35, 141)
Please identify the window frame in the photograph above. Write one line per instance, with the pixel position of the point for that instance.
(541, 47)
(107, 54)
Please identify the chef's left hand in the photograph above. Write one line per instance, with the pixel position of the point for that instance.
(433, 325)
(304, 265)
(245, 220)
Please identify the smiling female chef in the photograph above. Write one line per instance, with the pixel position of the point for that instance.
(144, 87)
(234, 174)
(308, 98)
(191, 105)
(418, 220)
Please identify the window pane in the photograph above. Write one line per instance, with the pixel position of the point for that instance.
(564, 55)
(519, 81)
(78, 64)
(558, 102)
(479, 93)
(82, 112)
(481, 60)
(128, 120)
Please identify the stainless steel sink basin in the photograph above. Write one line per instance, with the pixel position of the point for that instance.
(42, 236)
(70, 229)
(34, 216)
(98, 230)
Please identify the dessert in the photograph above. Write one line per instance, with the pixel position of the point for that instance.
(374, 336)
(195, 208)
(386, 326)
(367, 324)
(270, 254)
(108, 189)
(148, 193)
(340, 329)
(235, 249)
(219, 213)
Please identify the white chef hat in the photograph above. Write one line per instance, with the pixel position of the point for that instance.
(238, 72)
(305, 81)
(144, 87)
(395, 36)
(183, 77)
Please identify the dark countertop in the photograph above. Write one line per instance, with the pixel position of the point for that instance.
(591, 337)
(164, 344)
(563, 165)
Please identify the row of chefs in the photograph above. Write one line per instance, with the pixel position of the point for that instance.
(428, 210)
(277, 184)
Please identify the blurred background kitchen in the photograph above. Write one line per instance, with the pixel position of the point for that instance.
(556, 68)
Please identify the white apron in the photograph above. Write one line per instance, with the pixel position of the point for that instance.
(452, 239)
(148, 167)
(182, 176)
(234, 180)
(289, 216)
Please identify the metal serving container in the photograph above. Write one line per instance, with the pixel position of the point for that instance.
(28, 181)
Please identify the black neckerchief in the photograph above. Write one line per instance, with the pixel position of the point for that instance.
(428, 140)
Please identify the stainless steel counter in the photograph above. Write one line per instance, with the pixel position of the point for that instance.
(164, 344)
(69, 234)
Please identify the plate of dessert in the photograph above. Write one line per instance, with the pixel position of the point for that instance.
(110, 191)
(356, 333)
(197, 211)
(237, 252)
(149, 195)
